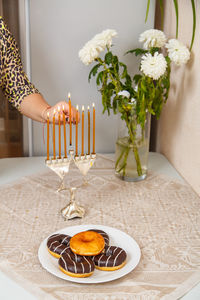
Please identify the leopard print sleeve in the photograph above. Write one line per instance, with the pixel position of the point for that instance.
(13, 80)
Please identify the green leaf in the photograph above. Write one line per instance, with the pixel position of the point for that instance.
(136, 78)
(115, 99)
(176, 11)
(108, 58)
(103, 93)
(115, 63)
(168, 60)
(154, 50)
(110, 86)
(107, 91)
(115, 60)
(99, 78)
(137, 51)
(128, 82)
(93, 71)
(194, 23)
(147, 10)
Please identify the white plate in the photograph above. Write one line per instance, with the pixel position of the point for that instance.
(117, 238)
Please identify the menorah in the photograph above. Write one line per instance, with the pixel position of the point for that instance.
(61, 164)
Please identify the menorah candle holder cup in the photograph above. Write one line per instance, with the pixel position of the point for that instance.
(61, 167)
(84, 163)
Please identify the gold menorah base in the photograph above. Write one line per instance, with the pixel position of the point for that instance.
(72, 210)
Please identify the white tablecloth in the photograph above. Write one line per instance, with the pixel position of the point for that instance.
(12, 169)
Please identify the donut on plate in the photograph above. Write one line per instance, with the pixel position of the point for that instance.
(112, 258)
(104, 235)
(57, 244)
(87, 243)
(75, 265)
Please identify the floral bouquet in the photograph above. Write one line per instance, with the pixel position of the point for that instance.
(134, 98)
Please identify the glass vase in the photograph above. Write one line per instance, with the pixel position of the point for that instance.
(132, 148)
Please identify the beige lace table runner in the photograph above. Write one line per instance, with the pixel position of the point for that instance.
(161, 214)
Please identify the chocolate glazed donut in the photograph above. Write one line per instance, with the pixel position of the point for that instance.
(75, 265)
(112, 258)
(104, 235)
(57, 244)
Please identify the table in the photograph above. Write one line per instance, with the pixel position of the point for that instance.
(12, 169)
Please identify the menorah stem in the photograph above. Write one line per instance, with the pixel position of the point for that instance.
(62, 185)
(72, 194)
(85, 180)
(72, 210)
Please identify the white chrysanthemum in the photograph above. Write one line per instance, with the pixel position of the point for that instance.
(152, 38)
(153, 66)
(124, 93)
(105, 37)
(89, 53)
(177, 52)
(95, 46)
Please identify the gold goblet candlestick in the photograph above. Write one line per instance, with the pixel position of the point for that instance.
(61, 167)
(72, 210)
(84, 163)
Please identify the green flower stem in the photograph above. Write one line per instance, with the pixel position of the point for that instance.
(114, 81)
(125, 160)
(194, 23)
(123, 166)
(137, 159)
(135, 150)
(125, 153)
(119, 158)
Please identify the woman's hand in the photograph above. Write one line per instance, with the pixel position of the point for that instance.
(64, 107)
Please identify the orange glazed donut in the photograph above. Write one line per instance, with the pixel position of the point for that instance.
(87, 243)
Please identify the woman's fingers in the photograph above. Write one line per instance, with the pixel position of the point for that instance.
(62, 108)
(74, 115)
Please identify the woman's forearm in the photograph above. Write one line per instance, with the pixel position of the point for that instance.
(34, 106)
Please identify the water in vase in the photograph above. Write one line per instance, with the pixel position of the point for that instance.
(131, 161)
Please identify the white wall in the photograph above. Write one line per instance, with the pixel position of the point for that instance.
(178, 131)
(59, 29)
